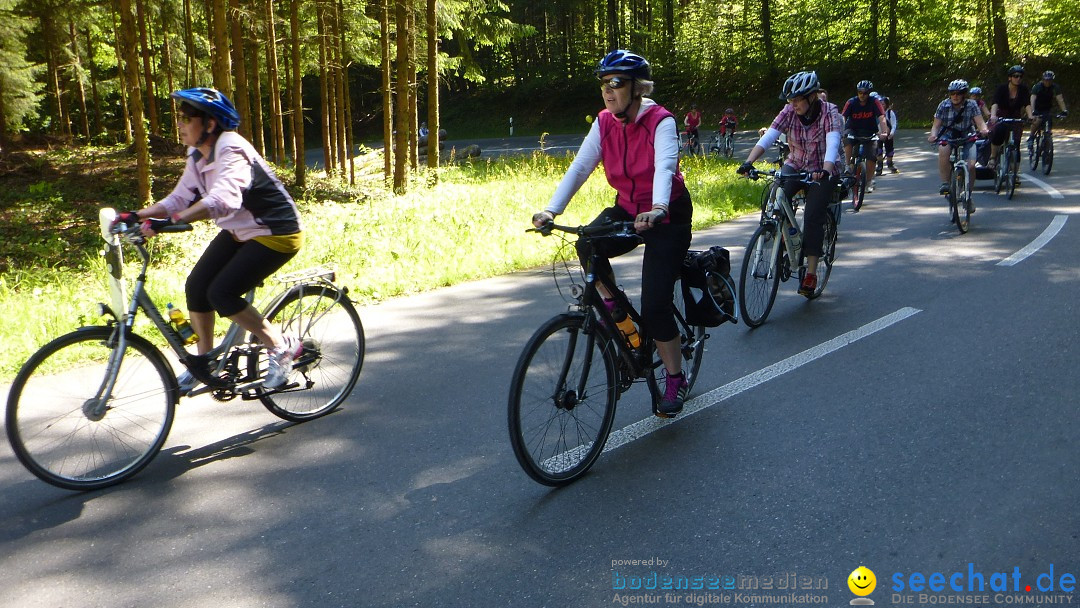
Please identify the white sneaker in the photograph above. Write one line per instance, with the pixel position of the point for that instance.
(187, 382)
(870, 188)
(281, 360)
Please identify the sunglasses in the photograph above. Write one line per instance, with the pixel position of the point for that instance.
(1016, 75)
(960, 93)
(613, 83)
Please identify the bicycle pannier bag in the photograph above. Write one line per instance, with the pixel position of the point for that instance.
(707, 288)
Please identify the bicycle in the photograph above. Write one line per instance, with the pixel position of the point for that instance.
(858, 189)
(880, 164)
(688, 143)
(1007, 173)
(959, 193)
(575, 367)
(93, 407)
(1041, 145)
(775, 248)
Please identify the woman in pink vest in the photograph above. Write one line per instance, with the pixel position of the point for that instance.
(638, 142)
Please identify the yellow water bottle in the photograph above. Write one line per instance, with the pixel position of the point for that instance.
(626, 326)
(183, 327)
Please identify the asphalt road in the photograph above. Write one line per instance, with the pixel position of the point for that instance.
(919, 418)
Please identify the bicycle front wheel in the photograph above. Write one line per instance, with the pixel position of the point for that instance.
(858, 191)
(66, 433)
(691, 345)
(760, 275)
(1035, 152)
(1012, 177)
(729, 147)
(958, 203)
(562, 400)
(1048, 154)
(326, 371)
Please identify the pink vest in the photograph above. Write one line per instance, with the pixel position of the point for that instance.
(628, 152)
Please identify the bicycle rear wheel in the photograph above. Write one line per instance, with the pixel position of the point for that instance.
(1048, 154)
(65, 434)
(692, 345)
(828, 255)
(562, 400)
(760, 275)
(327, 323)
(958, 194)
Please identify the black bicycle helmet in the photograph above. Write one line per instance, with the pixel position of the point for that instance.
(801, 83)
(1016, 69)
(624, 62)
(958, 86)
(865, 85)
(1048, 75)
(212, 102)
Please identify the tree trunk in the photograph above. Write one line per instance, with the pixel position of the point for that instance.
(221, 62)
(873, 33)
(118, 36)
(298, 103)
(148, 74)
(613, 38)
(894, 49)
(324, 93)
(276, 127)
(94, 97)
(49, 36)
(432, 89)
(766, 37)
(131, 71)
(167, 59)
(77, 72)
(257, 130)
(411, 29)
(239, 66)
(344, 150)
(387, 95)
(1001, 35)
(401, 136)
(189, 47)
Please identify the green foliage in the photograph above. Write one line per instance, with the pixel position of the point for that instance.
(19, 85)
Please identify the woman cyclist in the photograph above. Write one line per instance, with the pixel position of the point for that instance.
(813, 130)
(226, 180)
(1012, 100)
(638, 142)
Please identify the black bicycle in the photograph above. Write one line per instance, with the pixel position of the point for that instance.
(1007, 173)
(576, 365)
(859, 170)
(959, 192)
(1041, 145)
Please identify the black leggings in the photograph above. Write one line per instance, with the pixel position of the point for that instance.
(227, 270)
(818, 197)
(665, 249)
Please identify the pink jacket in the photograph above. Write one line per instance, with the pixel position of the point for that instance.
(628, 154)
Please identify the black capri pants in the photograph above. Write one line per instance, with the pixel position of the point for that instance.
(227, 270)
(665, 249)
(818, 197)
(1001, 131)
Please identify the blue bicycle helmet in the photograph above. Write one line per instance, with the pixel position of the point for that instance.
(976, 90)
(865, 85)
(1049, 75)
(958, 86)
(1016, 69)
(212, 102)
(624, 62)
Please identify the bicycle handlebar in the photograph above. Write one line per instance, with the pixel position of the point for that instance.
(802, 176)
(608, 229)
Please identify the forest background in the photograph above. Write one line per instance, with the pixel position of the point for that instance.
(86, 119)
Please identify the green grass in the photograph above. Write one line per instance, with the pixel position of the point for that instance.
(470, 225)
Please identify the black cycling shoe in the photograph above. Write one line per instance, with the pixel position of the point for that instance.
(199, 366)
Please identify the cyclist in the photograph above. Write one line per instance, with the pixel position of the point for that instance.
(637, 140)
(227, 181)
(865, 117)
(1012, 100)
(728, 122)
(692, 122)
(890, 140)
(813, 130)
(975, 94)
(1042, 94)
(956, 117)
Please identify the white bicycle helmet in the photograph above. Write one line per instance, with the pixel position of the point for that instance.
(958, 86)
(801, 83)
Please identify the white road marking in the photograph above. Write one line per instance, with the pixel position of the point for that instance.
(1044, 238)
(642, 428)
(1052, 191)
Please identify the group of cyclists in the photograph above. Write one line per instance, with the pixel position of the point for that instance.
(965, 112)
(638, 142)
(729, 123)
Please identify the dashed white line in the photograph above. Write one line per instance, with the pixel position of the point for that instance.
(642, 428)
(1044, 238)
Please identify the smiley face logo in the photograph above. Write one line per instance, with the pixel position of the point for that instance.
(862, 581)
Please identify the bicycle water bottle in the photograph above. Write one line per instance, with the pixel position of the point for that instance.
(183, 327)
(794, 239)
(626, 326)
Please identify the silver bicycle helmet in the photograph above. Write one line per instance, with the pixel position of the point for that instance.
(958, 86)
(1016, 69)
(864, 85)
(801, 83)
(1048, 75)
